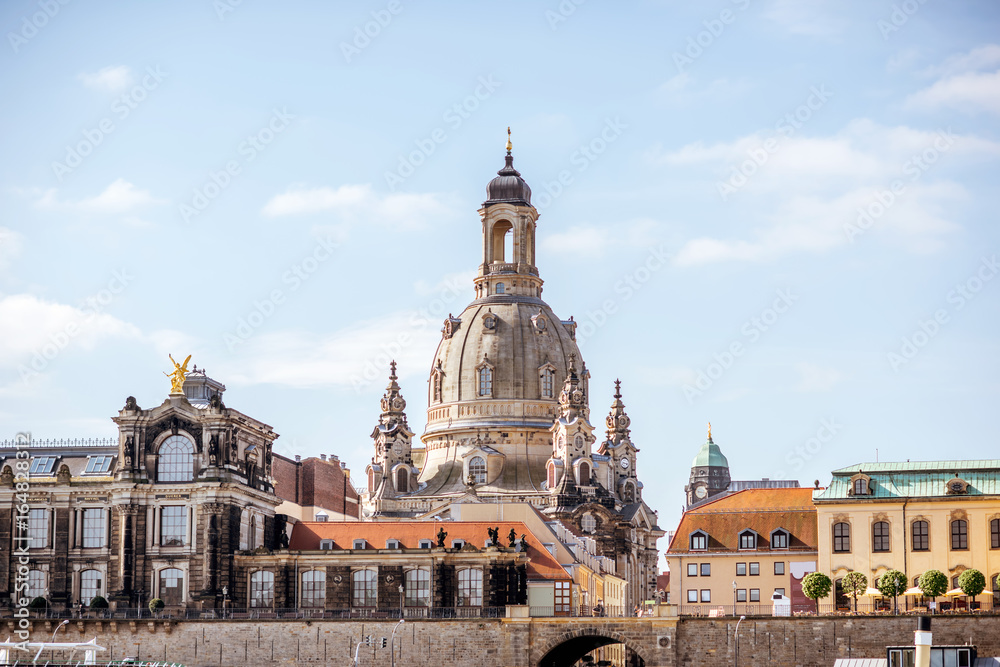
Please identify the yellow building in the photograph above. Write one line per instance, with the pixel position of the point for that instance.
(913, 517)
(735, 554)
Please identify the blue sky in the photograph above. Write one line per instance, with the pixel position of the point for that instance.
(779, 217)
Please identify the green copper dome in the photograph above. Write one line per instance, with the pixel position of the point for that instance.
(710, 456)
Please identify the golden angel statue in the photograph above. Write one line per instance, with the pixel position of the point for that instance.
(177, 377)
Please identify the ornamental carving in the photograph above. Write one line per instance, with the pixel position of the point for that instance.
(539, 323)
(130, 510)
(490, 322)
(956, 486)
(213, 508)
(451, 325)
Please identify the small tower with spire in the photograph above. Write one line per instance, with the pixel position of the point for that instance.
(571, 465)
(624, 481)
(709, 473)
(391, 472)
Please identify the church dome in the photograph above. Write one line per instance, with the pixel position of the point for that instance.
(508, 186)
(710, 456)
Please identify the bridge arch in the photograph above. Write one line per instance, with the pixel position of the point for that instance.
(566, 649)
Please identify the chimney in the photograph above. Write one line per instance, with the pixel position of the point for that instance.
(323, 456)
(334, 458)
(298, 458)
(922, 642)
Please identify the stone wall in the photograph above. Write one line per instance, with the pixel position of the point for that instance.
(525, 642)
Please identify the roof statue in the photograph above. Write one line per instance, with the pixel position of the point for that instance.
(177, 376)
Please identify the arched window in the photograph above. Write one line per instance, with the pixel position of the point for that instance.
(921, 536)
(552, 479)
(779, 539)
(313, 588)
(417, 588)
(861, 487)
(172, 586)
(500, 288)
(402, 480)
(470, 588)
(262, 589)
(364, 588)
(485, 381)
(880, 536)
(36, 584)
(477, 470)
(548, 379)
(176, 460)
(584, 474)
(90, 585)
(840, 599)
(436, 386)
(959, 534)
(841, 537)
(628, 493)
(748, 540)
(588, 523)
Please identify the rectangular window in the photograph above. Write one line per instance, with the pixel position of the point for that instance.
(779, 540)
(741, 595)
(706, 595)
(359, 544)
(995, 534)
(425, 544)
(959, 534)
(779, 591)
(173, 526)
(418, 588)
(754, 595)
(779, 567)
(841, 537)
(754, 569)
(706, 569)
(692, 569)
(42, 465)
(97, 465)
(693, 595)
(392, 544)
(93, 528)
(699, 542)
(748, 540)
(470, 587)
(921, 540)
(314, 588)
(880, 536)
(563, 597)
(38, 529)
(741, 569)
(364, 588)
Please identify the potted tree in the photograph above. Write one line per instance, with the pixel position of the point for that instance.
(892, 584)
(972, 582)
(38, 605)
(155, 605)
(815, 586)
(932, 584)
(99, 604)
(855, 584)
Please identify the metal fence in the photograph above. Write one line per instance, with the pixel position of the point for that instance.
(879, 608)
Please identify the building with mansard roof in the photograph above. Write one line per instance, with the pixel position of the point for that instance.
(508, 417)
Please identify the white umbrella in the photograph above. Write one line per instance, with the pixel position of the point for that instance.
(955, 591)
(913, 591)
(872, 592)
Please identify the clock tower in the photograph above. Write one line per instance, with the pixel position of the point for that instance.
(618, 446)
(709, 473)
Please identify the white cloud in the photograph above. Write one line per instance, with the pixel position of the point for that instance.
(969, 92)
(10, 246)
(815, 378)
(983, 57)
(119, 197)
(594, 241)
(111, 79)
(814, 19)
(360, 204)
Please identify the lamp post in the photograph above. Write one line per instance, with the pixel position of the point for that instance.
(66, 622)
(734, 600)
(736, 634)
(392, 643)
(225, 600)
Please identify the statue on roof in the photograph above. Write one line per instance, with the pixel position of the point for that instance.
(178, 375)
(442, 535)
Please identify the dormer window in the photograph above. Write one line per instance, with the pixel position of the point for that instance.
(748, 540)
(321, 516)
(98, 465)
(326, 545)
(457, 544)
(359, 544)
(699, 541)
(392, 544)
(956, 486)
(861, 487)
(42, 465)
(779, 539)
(425, 544)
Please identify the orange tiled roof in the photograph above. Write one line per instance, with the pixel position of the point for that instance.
(761, 510)
(306, 536)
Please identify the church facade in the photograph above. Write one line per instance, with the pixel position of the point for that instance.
(508, 416)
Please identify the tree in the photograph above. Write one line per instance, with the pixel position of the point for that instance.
(38, 604)
(855, 584)
(972, 582)
(933, 583)
(815, 586)
(98, 602)
(892, 584)
(155, 605)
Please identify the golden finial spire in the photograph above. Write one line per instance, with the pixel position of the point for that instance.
(509, 145)
(710, 431)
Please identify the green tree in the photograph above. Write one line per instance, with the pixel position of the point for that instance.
(892, 584)
(815, 586)
(933, 583)
(155, 605)
(972, 582)
(38, 604)
(98, 602)
(855, 584)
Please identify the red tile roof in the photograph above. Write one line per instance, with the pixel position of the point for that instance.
(761, 510)
(306, 536)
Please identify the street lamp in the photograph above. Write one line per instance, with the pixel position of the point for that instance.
(66, 622)
(734, 599)
(392, 643)
(736, 634)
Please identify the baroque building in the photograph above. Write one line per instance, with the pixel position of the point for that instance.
(508, 417)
